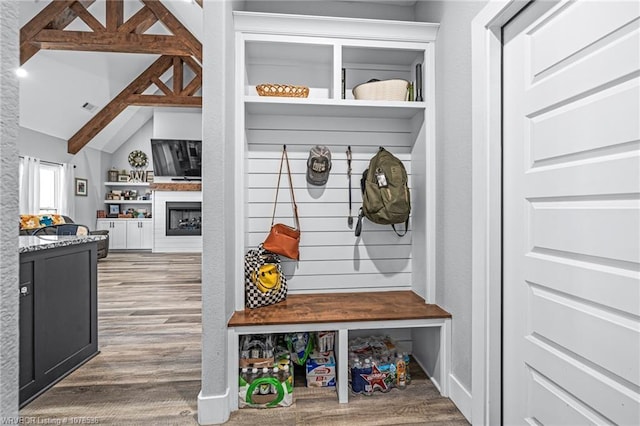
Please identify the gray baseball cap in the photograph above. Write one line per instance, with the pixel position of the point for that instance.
(318, 165)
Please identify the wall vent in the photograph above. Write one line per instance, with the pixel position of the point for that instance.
(89, 107)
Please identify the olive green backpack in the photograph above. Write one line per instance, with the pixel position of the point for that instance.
(385, 192)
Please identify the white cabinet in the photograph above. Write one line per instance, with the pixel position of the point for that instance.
(139, 234)
(128, 234)
(117, 232)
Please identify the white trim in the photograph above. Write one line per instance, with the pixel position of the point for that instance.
(487, 208)
(324, 26)
(460, 396)
(213, 409)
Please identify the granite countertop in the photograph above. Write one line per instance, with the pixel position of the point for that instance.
(29, 243)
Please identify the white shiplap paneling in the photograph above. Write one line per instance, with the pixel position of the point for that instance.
(332, 258)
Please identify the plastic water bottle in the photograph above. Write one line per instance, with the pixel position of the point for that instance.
(401, 372)
(367, 389)
(244, 376)
(264, 388)
(276, 374)
(406, 363)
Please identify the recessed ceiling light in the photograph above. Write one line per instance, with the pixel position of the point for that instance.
(21, 72)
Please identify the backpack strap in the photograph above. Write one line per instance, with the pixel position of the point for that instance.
(406, 228)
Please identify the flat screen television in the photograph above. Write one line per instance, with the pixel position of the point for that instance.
(177, 158)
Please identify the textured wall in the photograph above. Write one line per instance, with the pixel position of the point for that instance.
(453, 140)
(9, 208)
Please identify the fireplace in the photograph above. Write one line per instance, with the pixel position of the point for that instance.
(184, 218)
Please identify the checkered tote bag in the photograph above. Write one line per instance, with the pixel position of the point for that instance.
(264, 282)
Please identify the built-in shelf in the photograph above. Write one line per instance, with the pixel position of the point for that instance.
(128, 201)
(127, 184)
(264, 105)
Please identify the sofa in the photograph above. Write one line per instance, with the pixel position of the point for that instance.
(31, 223)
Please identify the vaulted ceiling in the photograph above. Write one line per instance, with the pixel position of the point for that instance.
(65, 76)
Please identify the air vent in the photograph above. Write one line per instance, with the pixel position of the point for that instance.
(89, 107)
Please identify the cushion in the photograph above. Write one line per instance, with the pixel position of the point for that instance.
(35, 221)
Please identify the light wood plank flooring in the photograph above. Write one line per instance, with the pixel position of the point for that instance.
(148, 370)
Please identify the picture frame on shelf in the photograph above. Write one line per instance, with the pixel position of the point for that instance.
(114, 210)
(81, 187)
(123, 178)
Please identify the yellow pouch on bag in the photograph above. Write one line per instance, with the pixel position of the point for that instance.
(267, 278)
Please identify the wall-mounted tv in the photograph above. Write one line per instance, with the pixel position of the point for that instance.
(177, 158)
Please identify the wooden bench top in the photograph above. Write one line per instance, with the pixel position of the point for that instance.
(340, 307)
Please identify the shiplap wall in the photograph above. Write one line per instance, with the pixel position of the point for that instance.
(332, 258)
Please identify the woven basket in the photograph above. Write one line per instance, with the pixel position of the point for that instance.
(285, 90)
(383, 90)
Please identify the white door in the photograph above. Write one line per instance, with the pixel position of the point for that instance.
(571, 215)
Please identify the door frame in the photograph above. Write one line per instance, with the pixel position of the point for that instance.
(486, 299)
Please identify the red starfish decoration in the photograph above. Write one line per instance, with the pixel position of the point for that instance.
(376, 378)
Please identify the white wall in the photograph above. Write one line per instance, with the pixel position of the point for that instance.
(174, 123)
(355, 9)
(90, 164)
(9, 346)
(453, 138)
(140, 140)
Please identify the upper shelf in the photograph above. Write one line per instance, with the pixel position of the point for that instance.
(127, 184)
(264, 105)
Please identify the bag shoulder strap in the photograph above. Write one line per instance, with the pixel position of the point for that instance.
(293, 198)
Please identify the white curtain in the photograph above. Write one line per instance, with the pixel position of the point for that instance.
(29, 185)
(67, 190)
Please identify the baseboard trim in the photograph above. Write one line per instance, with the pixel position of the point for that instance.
(213, 409)
(460, 396)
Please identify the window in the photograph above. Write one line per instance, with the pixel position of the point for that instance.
(50, 188)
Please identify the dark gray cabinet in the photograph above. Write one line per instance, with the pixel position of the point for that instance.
(58, 315)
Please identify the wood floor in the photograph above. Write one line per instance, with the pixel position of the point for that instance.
(148, 370)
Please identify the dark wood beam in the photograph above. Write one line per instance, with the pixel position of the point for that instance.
(175, 26)
(110, 42)
(115, 14)
(178, 75)
(199, 2)
(36, 24)
(191, 63)
(67, 16)
(163, 87)
(117, 105)
(140, 22)
(86, 17)
(193, 86)
(165, 101)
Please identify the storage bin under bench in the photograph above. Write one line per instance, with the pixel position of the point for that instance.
(343, 312)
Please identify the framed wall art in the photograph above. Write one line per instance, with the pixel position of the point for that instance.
(81, 187)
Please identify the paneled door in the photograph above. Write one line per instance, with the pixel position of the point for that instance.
(571, 214)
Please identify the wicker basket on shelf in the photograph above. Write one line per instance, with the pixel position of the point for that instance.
(285, 90)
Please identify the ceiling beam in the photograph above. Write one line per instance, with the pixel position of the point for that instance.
(175, 26)
(37, 23)
(140, 22)
(86, 17)
(115, 14)
(133, 94)
(110, 42)
(166, 101)
(45, 30)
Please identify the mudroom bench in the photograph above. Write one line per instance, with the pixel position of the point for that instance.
(343, 312)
